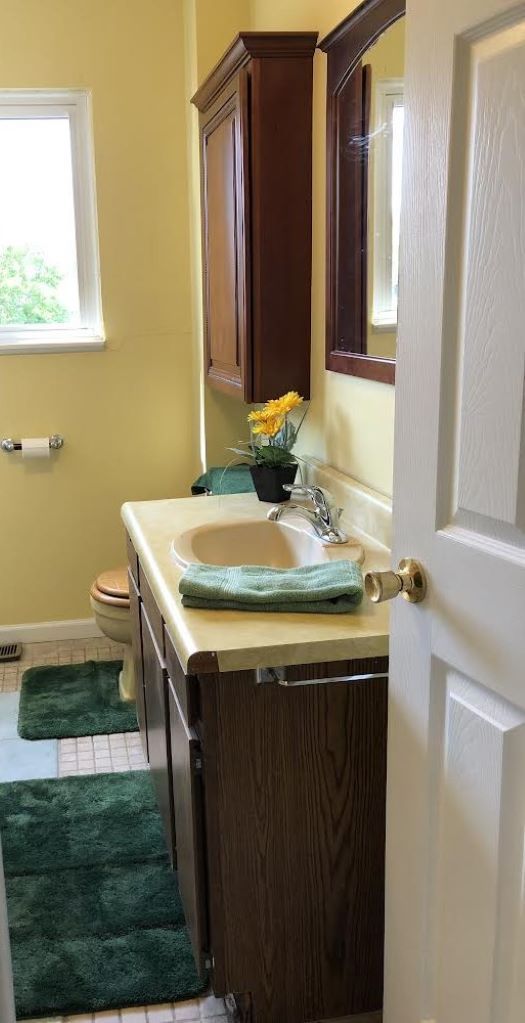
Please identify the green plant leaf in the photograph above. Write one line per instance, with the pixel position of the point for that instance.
(243, 453)
(273, 456)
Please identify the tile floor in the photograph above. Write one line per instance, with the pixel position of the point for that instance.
(22, 760)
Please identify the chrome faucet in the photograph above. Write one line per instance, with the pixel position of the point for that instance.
(323, 516)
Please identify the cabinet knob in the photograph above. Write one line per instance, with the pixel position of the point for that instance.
(409, 581)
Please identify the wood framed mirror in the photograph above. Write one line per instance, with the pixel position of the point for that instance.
(365, 117)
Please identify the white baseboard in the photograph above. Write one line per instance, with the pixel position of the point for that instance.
(48, 632)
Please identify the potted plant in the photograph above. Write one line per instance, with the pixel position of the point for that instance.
(272, 437)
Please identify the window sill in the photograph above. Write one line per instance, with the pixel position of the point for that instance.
(383, 324)
(20, 345)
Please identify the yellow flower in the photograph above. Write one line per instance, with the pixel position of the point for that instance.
(269, 427)
(257, 416)
(269, 420)
(267, 423)
(285, 404)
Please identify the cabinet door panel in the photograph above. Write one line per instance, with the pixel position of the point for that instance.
(133, 561)
(225, 186)
(154, 616)
(157, 713)
(187, 798)
(136, 642)
(186, 686)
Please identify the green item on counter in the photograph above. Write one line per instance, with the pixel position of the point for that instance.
(334, 587)
(232, 479)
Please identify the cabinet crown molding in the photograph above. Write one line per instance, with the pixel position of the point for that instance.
(244, 48)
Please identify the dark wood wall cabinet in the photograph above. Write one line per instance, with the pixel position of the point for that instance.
(273, 800)
(256, 178)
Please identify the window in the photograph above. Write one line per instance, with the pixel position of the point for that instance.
(49, 276)
(388, 162)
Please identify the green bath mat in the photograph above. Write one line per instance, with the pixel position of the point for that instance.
(94, 911)
(66, 701)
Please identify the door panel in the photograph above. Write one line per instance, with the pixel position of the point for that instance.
(492, 295)
(136, 633)
(480, 851)
(187, 799)
(455, 906)
(186, 686)
(225, 187)
(157, 712)
(155, 622)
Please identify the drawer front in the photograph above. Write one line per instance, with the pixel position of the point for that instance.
(133, 560)
(157, 716)
(153, 613)
(186, 686)
(136, 642)
(187, 799)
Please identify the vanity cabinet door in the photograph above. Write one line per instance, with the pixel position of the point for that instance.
(188, 805)
(157, 716)
(136, 643)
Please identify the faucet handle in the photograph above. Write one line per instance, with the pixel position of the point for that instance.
(321, 499)
(315, 494)
(299, 489)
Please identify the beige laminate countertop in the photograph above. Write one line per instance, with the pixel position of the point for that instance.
(239, 639)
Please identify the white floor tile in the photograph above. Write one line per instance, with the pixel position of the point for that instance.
(160, 1014)
(211, 1006)
(186, 1012)
(133, 1015)
(52, 1019)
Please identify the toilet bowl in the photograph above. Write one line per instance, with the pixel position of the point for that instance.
(109, 598)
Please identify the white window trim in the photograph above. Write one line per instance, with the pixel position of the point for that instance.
(388, 93)
(41, 338)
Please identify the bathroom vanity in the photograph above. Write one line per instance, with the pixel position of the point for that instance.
(266, 738)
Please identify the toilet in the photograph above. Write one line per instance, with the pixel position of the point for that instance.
(109, 598)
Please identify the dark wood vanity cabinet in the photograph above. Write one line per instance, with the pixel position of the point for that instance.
(156, 690)
(134, 605)
(186, 764)
(277, 797)
(256, 183)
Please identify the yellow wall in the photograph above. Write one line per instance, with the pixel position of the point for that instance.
(128, 414)
(350, 422)
(209, 29)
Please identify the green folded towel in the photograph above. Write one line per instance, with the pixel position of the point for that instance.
(231, 479)
(334, 587)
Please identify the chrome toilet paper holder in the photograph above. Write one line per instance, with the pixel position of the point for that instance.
(7, 444)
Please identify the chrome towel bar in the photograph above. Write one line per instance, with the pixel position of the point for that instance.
(7, 444)
(266, 676)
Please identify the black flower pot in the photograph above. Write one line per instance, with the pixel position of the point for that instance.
(268, 481)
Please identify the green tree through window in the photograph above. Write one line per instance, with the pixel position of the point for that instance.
(28, 288)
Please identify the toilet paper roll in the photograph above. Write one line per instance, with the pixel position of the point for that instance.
(35, 447)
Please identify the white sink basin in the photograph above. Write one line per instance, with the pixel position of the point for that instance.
(258, 542)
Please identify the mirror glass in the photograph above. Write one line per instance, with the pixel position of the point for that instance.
(383, 117)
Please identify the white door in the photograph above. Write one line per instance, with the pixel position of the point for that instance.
(455, 908)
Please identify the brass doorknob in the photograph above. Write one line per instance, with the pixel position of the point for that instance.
(409, 581)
